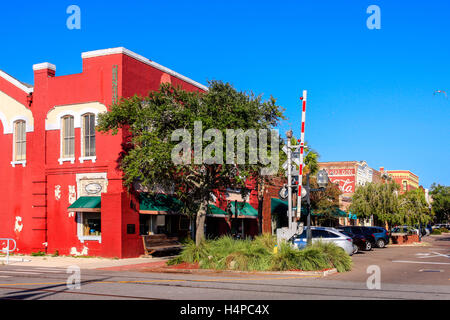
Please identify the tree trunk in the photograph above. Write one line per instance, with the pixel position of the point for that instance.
(200, 223)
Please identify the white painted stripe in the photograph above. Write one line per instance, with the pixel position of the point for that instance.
(422, 262)
(5, 276)
(20, 272)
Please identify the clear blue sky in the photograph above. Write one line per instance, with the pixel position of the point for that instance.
(370, 92)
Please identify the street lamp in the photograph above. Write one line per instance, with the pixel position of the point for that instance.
(322, 181)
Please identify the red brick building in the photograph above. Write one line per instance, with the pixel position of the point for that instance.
(52, 158)
(404, 178)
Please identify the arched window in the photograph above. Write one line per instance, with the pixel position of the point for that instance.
(20, 141)
(68, 137)
(88, 139)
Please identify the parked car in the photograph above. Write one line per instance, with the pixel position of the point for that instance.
(381, 236)
(362, 231)
(325, 235)
(360, 242)
(405, 229)
(441, 225)
(423, 230)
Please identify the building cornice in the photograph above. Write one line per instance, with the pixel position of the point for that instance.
(122, 50)
(44, 66)
(16, 82)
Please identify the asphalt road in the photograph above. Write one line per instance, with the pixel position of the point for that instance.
(405, 273)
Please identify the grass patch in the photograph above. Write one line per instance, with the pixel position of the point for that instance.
(226, 253)
(38, 254)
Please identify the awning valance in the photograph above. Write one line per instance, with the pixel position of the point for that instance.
(159, 204)
(244, 210)
(216, 212)
(86, 204)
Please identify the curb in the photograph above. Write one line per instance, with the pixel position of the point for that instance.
(193, 271)
(414, 244)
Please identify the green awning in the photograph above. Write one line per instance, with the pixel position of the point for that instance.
(278, 206)
(159, 204)
(244, 210)
(86, 204)
(214, 211)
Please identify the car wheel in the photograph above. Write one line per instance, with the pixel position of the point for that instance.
(368, 246)
(355, 249)
(380, 243)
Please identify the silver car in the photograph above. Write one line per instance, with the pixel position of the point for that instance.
(325, 235)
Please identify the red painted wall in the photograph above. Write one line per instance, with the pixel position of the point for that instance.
(29, 192)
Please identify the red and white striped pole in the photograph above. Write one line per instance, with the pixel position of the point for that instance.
(302, 145)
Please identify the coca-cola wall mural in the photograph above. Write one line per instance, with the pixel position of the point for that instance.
(345, 177)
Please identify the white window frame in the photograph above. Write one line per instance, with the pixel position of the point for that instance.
(83, 157)
(15, 162)
(80, 234)
(63, 159)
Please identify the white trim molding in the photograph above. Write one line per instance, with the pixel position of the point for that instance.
(53, 119)
(122, 50)
(43, 66)
(16, 82)
(82, 159)
(61, 160)
(22, 162)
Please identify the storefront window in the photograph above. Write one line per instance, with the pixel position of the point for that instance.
(91, 224)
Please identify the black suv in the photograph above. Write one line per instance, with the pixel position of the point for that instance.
(377, 235)
(362, 232)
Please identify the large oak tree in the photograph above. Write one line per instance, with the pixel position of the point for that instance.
(158, 122)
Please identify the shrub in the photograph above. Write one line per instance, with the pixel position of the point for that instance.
(436, 231)
(257, 255)
(338, 257)
(191, 253)
(38, 254)
(443, 230)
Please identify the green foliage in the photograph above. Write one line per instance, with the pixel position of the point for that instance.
(383, 202)
(436, 231)
(311, 158)
(148, 123)
(226, 253)
(325, 203)
(55, 254)
(413, 208)
(440, 205)
(443, 230)
(38, 254)
(377, 199)
(336, 255)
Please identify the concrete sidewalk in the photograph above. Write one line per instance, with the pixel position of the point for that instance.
(83, 263)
